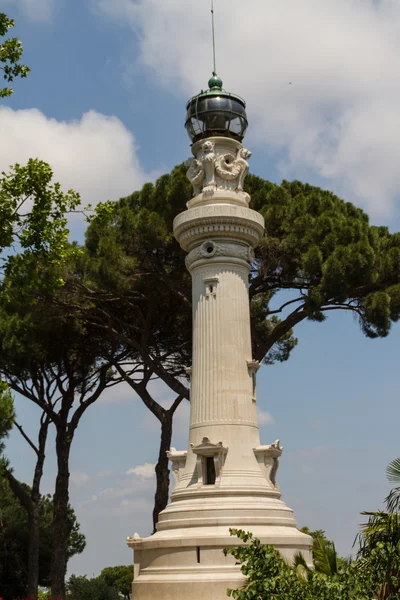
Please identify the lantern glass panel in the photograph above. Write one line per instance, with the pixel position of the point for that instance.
(217, 114)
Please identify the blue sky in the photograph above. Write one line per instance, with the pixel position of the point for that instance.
(105, 105)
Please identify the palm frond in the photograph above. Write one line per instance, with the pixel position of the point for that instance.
(381, 527)
(393, 500)
(325, 557)
(299, 560)
(393, 471)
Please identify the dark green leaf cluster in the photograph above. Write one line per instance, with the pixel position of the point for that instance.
(14, 541)
(10, 54)
(380, 540)
(325, 252)
(82, 588)
(319, 254)
(7, 413)
(133, 256)
(120, 577)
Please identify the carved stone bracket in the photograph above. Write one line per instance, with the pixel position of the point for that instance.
(209, 450)
(253, 366)
(211, 249)
(178, 460)
(268, 460)
(218, 166)
(134, 540)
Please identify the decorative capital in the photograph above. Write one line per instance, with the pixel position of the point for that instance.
(218, 164)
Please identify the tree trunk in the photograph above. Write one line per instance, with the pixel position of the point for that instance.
(162, 470)
(31, 503)
(33, 551)
(60, 516)
(34, 515)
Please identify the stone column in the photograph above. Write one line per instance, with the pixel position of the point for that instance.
(225, 478)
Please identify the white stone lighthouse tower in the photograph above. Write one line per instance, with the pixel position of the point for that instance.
(225, 478)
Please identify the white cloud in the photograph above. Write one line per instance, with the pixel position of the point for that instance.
(96, 155)
(145, 471)
(264, 417)
(36, 10)
(319, 77)
(78, 478)
(104, 473)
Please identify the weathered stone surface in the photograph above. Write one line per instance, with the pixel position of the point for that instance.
(225, 478)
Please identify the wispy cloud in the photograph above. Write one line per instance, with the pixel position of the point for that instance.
(104, 473)
(35, 10)
(145, 471)
(78, 478)
(327, 101)
(265, 418)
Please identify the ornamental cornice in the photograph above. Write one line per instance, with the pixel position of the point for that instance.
(224, 220)
(212, 249)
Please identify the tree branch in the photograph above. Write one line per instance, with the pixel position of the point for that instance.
(26, 438)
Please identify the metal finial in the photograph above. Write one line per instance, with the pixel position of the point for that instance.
(213, 38)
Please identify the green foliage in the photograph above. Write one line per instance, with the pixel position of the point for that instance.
(10, 54)
(393, 475)
(82, 588)
(7, 413)
(135, 266)
(324, 249)
(373, 575)
(120, 577)
(319, 254)
(34, 234)
(380, 541)
(270, 577)
(325, 558)
(14, 536)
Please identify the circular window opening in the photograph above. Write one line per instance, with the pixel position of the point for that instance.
(208, 249)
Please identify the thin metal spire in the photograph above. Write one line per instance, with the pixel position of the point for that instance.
(213, 37)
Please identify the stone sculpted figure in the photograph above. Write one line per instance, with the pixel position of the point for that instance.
(208, 161)
(242, 163)
(195, 174)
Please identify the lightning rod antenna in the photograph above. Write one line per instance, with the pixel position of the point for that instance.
(213, 37)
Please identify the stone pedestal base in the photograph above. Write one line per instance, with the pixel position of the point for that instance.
(192, 566)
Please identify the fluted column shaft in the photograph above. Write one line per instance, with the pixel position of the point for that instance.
(221, 386)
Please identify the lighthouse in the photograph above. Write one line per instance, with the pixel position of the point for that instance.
(225, 478)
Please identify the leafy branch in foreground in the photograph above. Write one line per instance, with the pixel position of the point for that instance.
(34, 233)
(269, 576)
(10, 54)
